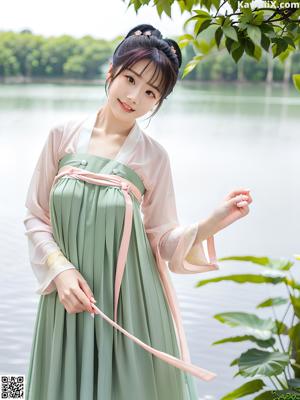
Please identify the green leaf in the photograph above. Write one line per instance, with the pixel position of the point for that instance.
(293, 284)
(253, 259)
(275, 301)
(247, 388)
(249, 49)
(264, 363)
(202, 46)
(228, 43)
(279, 46)
(234, 362)
(192, 64)
(260, 328)
(289, 41)
(216, 3)
(254, 33)
(294, 383)
(233, 4)
(261, 343)
(218, 36)
(296, 81)
(258, 18)
(237, 53)
(230, 32)
(243, 278)
(265, 42)
(201, 25)
(296, 305)
(163, 5)
(268, 30)
(202, 13)
(281, 328)
(184, 40)
(194, 17)
(287, 391)
(278, 264)
(268, 395)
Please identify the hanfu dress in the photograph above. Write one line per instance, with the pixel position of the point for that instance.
(76, 207)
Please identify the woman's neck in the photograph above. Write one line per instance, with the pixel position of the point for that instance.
(106, 123)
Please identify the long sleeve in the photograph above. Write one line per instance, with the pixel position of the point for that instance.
(45, 256)
(165, 234)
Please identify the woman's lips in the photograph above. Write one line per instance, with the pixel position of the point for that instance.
(124, 107)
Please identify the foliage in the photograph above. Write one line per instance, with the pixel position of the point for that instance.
(269, 360)
(239, 26)
(31, 55)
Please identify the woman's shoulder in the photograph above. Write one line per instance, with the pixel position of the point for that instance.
(63, 133)
(68, 126)
(154, 147)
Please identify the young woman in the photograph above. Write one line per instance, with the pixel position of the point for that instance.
(102, 228)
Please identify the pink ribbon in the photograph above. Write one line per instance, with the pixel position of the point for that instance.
(127, 187)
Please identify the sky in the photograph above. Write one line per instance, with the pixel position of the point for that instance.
(103, 19)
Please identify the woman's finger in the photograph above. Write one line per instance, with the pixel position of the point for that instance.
(238, 199)
(84, 300)
(237, 192)
(242, 204)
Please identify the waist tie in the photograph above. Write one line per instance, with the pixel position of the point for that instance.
(127, 187)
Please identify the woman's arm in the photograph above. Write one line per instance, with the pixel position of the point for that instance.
(162, 227)
(182, 247)
(46, 258)
(234, 207)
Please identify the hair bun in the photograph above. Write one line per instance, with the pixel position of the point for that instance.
(176, 48)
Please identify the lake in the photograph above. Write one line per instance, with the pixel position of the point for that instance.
(219, 137)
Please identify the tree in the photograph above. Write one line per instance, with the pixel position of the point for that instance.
(238, 26)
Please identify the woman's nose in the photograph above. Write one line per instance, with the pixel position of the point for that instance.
(133, 95)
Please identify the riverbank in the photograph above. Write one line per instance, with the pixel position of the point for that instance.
(101, 81)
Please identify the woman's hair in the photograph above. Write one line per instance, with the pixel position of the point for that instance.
(145, 42)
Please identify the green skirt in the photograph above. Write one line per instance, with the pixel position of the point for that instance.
(76, 357)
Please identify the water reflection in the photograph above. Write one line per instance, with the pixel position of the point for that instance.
(219, 137)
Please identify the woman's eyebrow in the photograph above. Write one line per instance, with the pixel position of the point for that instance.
(155, 87)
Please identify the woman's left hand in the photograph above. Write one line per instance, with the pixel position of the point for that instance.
(234, 207)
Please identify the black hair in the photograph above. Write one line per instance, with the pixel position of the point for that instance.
(154, 48)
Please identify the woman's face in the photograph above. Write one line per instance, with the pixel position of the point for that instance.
(132, 88)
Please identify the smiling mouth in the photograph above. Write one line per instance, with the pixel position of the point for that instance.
(125, 106)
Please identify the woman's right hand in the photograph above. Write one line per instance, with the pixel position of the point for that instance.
(73, 291)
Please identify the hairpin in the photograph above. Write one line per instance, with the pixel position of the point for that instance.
(138, 33)
(173, 49)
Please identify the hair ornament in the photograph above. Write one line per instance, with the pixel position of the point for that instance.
(173, 49)
(138, 33)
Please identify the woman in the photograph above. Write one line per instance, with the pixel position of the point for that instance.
(101, 198)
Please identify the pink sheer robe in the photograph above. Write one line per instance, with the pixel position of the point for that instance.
(150, 161)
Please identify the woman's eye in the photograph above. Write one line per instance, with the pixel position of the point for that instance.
(131, 80)
(130, 77)
(149, 91)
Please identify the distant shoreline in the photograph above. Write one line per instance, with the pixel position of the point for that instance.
(66, 81)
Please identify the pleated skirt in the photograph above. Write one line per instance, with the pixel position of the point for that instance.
(76, 357)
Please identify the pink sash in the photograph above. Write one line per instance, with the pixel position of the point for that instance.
(127, 187)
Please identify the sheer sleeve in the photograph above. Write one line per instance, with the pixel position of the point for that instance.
(172, 241)
(45, 256)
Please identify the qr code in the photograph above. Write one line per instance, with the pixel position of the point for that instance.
(12, 386)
